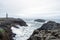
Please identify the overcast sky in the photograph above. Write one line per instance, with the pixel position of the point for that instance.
(30, 8)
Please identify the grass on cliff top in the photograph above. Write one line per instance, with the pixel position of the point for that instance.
(2, 30)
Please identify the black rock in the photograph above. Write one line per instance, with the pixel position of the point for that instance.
(40, 20)
(48, 31)
(50, 25)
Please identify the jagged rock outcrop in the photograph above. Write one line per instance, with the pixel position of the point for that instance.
(40, 20)
(48, 31)
(50, 25)
(5, 27)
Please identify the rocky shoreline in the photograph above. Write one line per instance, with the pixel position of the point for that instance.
(48, 31)
(5, 27)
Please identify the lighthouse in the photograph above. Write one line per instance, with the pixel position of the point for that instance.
(6, 15)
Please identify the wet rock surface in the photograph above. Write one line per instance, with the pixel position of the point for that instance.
(5, 27)
(48, 31)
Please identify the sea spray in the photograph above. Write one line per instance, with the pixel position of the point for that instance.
(23, 33)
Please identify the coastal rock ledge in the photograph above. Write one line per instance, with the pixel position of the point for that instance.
(48, 31)
(5, 27)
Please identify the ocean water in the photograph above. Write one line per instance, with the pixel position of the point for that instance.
(23, 33)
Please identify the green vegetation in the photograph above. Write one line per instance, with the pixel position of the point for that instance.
(2, 30)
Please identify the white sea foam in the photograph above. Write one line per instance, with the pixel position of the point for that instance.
(23, 33)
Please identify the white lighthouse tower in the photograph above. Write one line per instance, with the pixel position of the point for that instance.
(6, 15)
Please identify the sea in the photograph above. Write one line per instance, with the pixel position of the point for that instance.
(24, 32)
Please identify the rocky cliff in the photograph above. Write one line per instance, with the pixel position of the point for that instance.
(48, 31)
(5, 27)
